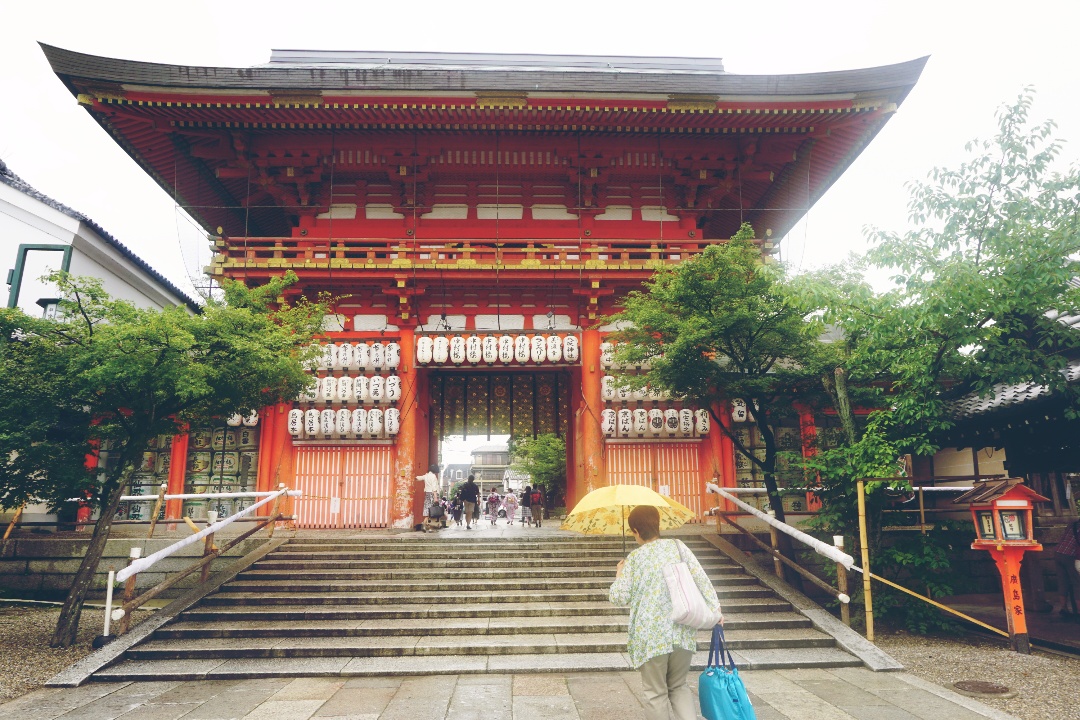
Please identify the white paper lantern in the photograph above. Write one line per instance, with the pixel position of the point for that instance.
(571, 348)
(738, 411)
(393, 388)
(344, 421)
(393, 355)
(457, 350)
(377, 389)
(607, 422)
(329, 356)
(641, 421)
(607, 354)
(671, 420)
(326, 422)
(607, 388)
(344, 389)
(377, 355)
(626, 422)
(490, 349)
(234, 420)
(656, 394)
(703, 421)
(311, 393)
(311, 422)
(642, 393)
(346, 356)
(473, 351)
(375, 422)
(554, 349)
(328, 388)
(361, 389)
(362, 356)
(440, 350)
(623, 393)
(423, 350)
(656, 421)
(539, 348)
(296, 422)
(686, 422)
(359, 422)
(506, 348)
(392, 420)
(521, 348)
(252, 419)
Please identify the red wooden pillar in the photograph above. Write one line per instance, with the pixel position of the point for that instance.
(174, 509)
(590, 463)
(808, 436)
(403, 482)
(712, 462)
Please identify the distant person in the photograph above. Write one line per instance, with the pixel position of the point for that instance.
(1067, 557)
(510, 502)
(493, 504)
(455, 510)
(526, 505)
(470, 495)
(658, 648)
(536, 505)
(431, 487)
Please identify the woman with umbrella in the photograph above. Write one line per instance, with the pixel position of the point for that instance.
(658, 648)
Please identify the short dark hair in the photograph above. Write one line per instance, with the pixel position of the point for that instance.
(645, 521)
(472, 478)
(434, 468)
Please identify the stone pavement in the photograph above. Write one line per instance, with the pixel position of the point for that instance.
(835, 694)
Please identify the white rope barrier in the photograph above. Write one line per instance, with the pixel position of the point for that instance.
(197, 496)
(816, 545)
(144, 563)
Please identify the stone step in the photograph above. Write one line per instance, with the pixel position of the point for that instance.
(504, 554)
(553, 565)
(742, 632)
(306, 572)
(416, 665)
(423, 644)
(440, 585)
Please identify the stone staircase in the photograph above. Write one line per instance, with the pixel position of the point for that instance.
(422, 604)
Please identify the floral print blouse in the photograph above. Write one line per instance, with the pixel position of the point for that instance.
(643, 588)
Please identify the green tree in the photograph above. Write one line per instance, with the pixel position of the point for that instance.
(723, 326)
(114, 375)
(544, 459)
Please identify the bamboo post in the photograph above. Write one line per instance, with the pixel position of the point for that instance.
(774, 540)
(157, 509)
(842, 582)
(11, 527)
(868, 599)
(274, 512)
(129, 592)
(208, 547)
(922, 511)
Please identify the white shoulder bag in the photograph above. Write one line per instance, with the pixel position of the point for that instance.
(688, 607)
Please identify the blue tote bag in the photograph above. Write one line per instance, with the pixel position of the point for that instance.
(720, 689)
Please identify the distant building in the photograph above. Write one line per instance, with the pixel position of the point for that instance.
(39, 235)
(489, 465)
(452, 474)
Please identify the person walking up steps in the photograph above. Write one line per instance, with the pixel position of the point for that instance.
(536, 504)
(470, 495)
(510, 502)
(526, 506)
(493, 503)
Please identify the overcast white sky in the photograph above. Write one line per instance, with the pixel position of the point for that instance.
(982, 54)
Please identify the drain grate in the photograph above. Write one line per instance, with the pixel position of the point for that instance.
(980, 688)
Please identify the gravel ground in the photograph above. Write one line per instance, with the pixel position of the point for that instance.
(1047, 685)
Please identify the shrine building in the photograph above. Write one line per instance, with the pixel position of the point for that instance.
(476, 216)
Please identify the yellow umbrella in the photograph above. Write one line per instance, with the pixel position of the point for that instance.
(604, 510)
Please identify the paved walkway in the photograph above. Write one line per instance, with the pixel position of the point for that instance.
(839, 694)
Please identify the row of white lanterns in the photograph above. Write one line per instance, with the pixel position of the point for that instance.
(353, 390)
(610, 392)
(237, 420)
(607, 359)
(490, 349)
(359, 356)
(344, 423)
(655, 422)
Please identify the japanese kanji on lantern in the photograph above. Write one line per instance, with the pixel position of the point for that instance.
(1001, 511)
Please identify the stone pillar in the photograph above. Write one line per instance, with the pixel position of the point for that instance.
(401, 502)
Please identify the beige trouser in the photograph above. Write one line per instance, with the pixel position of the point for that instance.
(537, 513)
(664, 681)
(469, 509)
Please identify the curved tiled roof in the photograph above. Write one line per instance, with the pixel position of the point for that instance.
(12, 180)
